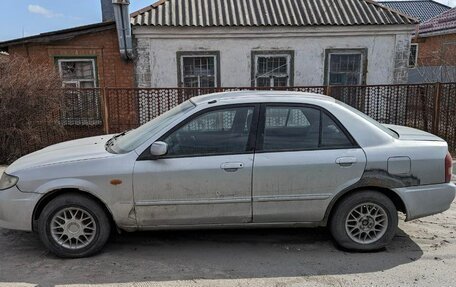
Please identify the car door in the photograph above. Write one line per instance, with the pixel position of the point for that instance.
(205, 178)
(304, 158)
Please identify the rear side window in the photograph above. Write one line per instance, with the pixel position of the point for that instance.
(301, 128)
(332, 135)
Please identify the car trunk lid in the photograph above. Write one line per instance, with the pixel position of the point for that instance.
(407, 133)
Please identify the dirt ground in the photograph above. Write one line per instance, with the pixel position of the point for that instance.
(422, 254)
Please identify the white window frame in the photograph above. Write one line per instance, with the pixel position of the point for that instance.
(271, 79)
(416, 55)
(348, 52)
(182, 57)
(81, 121)
(78, 82)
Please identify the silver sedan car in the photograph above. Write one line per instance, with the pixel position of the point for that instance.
(255, 159)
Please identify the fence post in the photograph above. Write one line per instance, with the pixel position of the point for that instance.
(436, 115)
(105, 112)
(328, 90)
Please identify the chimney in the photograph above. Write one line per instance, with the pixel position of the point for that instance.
(107, 10)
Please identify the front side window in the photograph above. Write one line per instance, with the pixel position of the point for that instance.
(272, 70)
(215, 132)
(81, 106)
(198, 70)
(301, 128)
(345, 67)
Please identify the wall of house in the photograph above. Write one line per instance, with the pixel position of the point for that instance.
(436, 59)
(156, 64)
(112, 71)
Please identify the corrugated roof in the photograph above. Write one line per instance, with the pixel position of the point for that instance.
(245, 13)
(422, 10)
(444, 23)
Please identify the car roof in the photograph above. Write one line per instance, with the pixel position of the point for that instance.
(261, 96)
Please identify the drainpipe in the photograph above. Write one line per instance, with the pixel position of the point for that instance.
(122, 17)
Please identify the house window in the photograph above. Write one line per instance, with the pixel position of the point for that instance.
(413, 60)
(78, 73)
(198, 70)
(82, 105)
(272, 69)
(345, 67)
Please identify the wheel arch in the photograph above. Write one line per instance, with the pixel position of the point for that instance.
(61, 191)
(391, 194)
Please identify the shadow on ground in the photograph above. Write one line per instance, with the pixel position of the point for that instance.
(183, 255)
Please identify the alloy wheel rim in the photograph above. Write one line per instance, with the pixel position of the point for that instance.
(366, 223)
(73, 228)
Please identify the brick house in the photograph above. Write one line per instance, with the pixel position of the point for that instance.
(87, 57)
(433, 57)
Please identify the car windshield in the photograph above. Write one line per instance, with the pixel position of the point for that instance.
(128, 141)
(369, 119)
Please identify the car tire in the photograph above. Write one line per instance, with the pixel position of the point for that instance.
(73, 226)
(364, 221)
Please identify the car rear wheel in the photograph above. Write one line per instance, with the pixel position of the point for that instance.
(74, 226)
(364, 221)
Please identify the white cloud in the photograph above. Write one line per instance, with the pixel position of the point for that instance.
(37, 9)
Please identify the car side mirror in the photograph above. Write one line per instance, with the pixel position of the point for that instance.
(158, 149)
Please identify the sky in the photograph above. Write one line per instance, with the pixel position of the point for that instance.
(21, 18)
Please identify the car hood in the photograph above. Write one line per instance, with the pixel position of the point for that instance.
(406, 133)
(70, 151)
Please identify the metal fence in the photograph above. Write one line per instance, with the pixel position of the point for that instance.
(88, 112)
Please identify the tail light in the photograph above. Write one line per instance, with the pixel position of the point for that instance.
(448, 167)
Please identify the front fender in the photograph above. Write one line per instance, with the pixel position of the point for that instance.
(120, 210)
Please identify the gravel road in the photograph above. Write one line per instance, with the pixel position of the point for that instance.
(422, 254)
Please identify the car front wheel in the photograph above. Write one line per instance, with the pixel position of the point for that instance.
(74, 226)
(364, 221)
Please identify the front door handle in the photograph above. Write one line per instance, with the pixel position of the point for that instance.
(346, 161)
(232, 166)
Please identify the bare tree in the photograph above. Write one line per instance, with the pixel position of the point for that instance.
(30, 104)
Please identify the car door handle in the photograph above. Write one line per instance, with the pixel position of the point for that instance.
(346, 161)
(232, 166)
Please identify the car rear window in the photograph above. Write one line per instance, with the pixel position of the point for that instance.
(369, 119)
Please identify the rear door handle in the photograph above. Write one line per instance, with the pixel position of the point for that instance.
(232, 166)
(346, 161)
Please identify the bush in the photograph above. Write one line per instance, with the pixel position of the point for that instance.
(30, 104)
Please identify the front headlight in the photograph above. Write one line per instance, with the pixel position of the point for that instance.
(7, 181)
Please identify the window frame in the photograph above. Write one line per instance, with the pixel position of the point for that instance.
(71, 121)
(198, 54)
(416, 55)
(92, 60)
(262, 124)
(364, 62)
(290, 54)
(251, 141)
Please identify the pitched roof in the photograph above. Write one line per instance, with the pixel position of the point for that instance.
(422, 10)
(60, 34)
(248, 13)
(444, 23)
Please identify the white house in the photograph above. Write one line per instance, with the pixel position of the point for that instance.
(244, 43)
